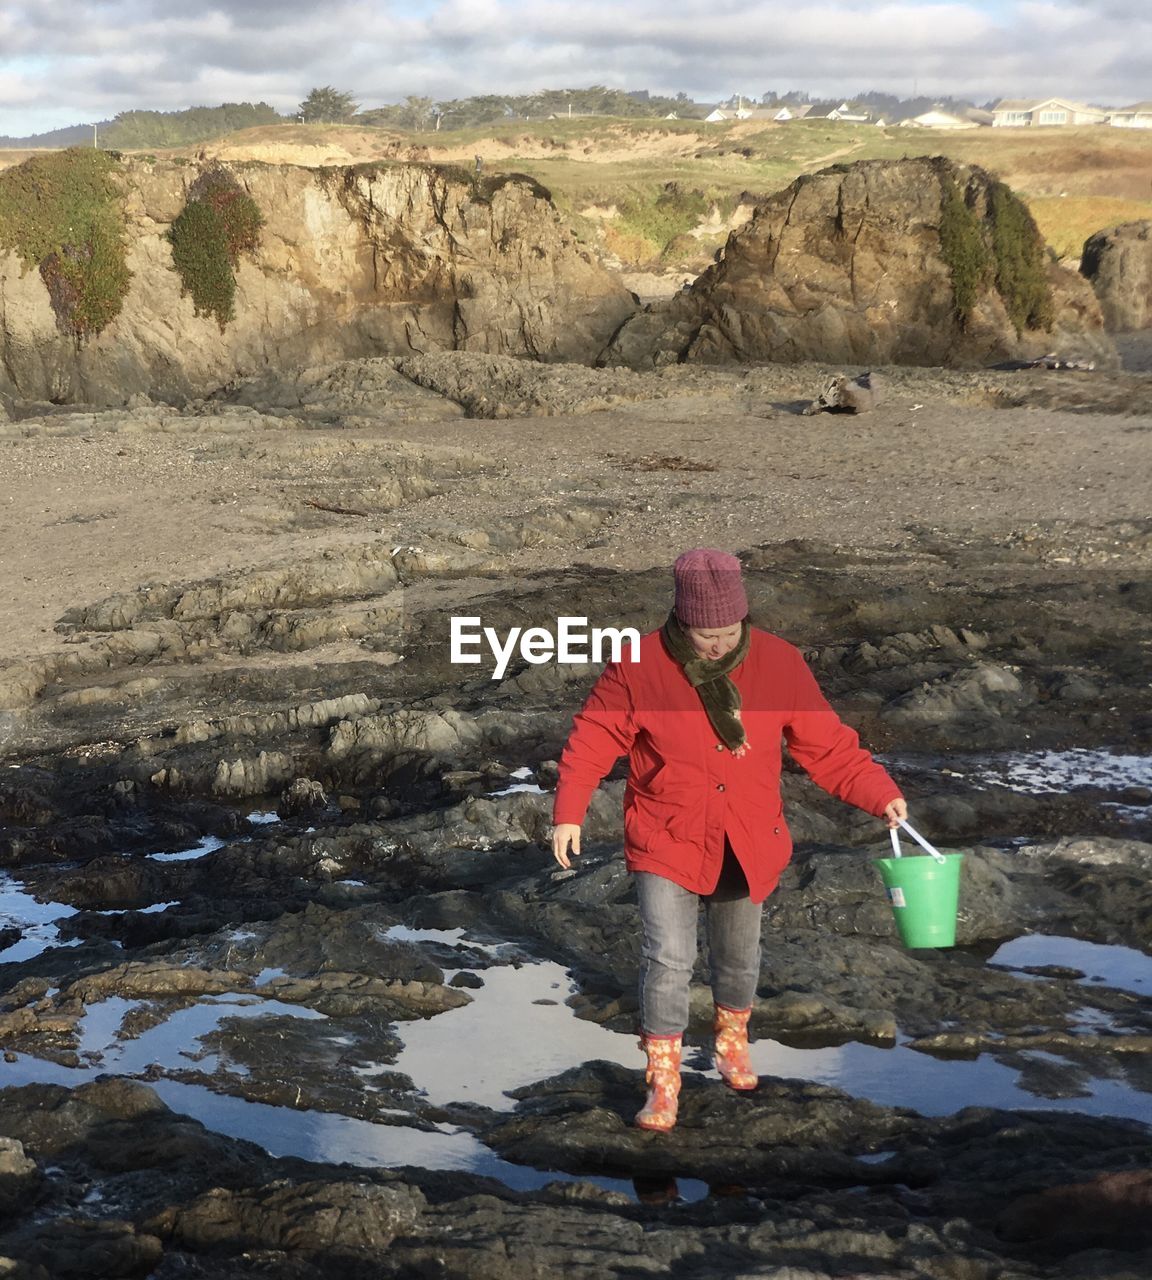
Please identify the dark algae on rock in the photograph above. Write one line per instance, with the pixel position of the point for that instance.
(61, 213)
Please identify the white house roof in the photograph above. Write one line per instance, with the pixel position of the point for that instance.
(1137, 108)
(1034, 104)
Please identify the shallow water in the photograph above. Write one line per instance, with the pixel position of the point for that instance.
(1045, 772)
(1108, 966)
(1041, 772)
(208, 845)
(518, 1029)
(281, 1131)
(37, 920)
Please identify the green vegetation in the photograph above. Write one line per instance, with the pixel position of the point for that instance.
(962, 245)
(219, 222)
(61, 214)
(1004, 247)
(596, 101)
(327, 106)
(1021, 261)
(134, 130)
(673, 212)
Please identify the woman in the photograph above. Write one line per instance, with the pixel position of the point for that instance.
(700, 715)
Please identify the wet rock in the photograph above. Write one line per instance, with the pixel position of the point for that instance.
(978, 695)
(349, 994)
(80, 1248)
(485, 1238)
(355, 940)
(149, 979)
(309, 1064)
(19, 1178)
(1114, 1209)
(404, 731)
(582, 1119)
(303, 797)
(332, 1218)
(48, 1119)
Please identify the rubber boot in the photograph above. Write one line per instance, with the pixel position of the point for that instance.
(663, 1080)
(730, 1029)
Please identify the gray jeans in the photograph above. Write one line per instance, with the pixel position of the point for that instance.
(669, 914)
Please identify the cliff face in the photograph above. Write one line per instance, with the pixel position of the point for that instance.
(351, 262)
(881, 262)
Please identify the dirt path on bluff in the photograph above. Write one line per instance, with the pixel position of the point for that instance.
(83, 517)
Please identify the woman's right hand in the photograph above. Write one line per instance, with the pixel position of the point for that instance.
(565, 834)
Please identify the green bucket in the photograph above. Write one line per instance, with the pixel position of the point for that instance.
(924, 893)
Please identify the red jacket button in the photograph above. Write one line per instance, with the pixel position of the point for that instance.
(720, 786)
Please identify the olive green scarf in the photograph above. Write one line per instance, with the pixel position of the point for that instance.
(710, 679)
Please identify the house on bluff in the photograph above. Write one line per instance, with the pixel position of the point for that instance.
(1014, 113)
(1137, 116)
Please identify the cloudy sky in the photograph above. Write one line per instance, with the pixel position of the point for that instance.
(69, 61)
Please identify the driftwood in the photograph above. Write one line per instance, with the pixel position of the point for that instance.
(842, 394)
(336, 511)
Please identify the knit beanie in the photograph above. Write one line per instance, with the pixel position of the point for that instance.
(709, 590)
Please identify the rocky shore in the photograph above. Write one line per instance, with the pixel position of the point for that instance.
(289, 984)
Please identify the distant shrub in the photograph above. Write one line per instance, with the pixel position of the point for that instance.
(61, 214)
(1018, 251)
(219, 222)
(658, 219)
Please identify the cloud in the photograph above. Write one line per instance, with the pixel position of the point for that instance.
(88, 59)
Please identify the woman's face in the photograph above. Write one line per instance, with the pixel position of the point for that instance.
(714, 642)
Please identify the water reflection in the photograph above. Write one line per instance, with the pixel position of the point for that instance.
(1110, 966)
(36, 920)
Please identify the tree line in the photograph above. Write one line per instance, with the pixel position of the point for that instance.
(136, 130)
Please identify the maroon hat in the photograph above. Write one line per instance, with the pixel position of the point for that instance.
(709, 590)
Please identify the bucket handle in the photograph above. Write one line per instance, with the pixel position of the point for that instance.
(915, 836)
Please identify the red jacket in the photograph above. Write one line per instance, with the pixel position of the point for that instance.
(686, 791)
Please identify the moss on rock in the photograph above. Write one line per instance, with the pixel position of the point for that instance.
(219, 222)
(1003, 248)
(61, 214)
(963, 247)
(1021, 261)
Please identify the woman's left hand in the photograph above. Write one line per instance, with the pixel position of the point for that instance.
(896, 812)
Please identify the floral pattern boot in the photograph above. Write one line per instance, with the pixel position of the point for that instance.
(730, 1029)
(663, 1080)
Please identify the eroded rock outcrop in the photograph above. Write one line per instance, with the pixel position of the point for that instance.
(1118, 262)
(880, 262)
(371, 260)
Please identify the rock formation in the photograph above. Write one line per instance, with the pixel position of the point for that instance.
(372, 260)
(1118, 261)
(880, 262)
